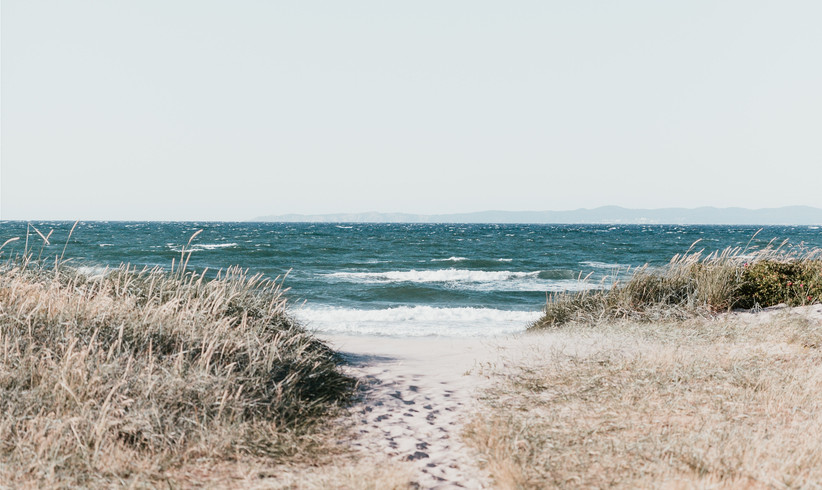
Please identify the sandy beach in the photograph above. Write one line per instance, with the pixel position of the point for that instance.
(416, 394)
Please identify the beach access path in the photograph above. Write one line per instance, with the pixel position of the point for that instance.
(417, 393)
(415, 396)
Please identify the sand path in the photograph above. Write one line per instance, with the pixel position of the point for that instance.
(416, 394)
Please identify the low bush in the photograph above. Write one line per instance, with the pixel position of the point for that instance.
(770, 282)
(696, 285)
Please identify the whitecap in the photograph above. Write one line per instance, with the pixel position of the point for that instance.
(201, 246)
(93, 271)
(602, 265)
(416, 321)
(536, 285)
(212, 246)
(440, 275)
(450, 259)
(471, 280)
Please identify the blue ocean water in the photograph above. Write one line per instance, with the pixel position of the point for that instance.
(402, 279)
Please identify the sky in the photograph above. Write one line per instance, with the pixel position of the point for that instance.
(216, 110)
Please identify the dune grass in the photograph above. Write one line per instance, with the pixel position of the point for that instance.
(695, 284)
(134, 377)
(730, 402)
(655, 383)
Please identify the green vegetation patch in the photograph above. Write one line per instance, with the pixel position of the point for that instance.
(769, 282)
(696, 285)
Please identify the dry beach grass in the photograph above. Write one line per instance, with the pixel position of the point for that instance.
(726, 403)
(154, 377)
(147, 378)
(669, 391)
(697, 284)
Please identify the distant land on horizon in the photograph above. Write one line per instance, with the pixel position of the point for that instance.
(788, 215)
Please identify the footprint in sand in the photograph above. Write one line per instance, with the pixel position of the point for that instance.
(417, 455)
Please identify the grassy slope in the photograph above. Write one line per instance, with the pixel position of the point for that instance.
(724, 403)
(132, 377)
(669, 393)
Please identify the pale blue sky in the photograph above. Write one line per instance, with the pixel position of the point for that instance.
(230, 110)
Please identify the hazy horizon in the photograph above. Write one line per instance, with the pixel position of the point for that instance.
(789, 215)
(203, 110)
(611, 214)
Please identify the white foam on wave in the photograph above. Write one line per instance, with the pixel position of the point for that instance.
(504, 260)
(201, 246)
(538, 285)
(440, 275)
(212, 246)
(602, 265)
(470, 280)
(450, 259)
(93, 271)
(417, 321)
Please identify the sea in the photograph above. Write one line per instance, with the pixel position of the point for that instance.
(401, 280)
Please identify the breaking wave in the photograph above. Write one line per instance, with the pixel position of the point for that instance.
(201, 246)
(602, 265)
(417, 321)
(92, 271)
(441, 275)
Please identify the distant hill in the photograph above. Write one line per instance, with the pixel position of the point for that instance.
(790, 215)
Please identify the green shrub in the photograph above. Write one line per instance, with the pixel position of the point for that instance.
(767, 283)
(693, 285)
